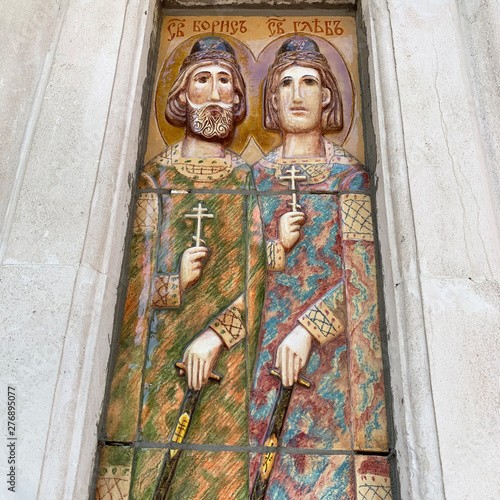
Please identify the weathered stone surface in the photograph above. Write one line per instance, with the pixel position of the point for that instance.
(260, 3)
(462, 318)
(34, 313)
(52, 213)
(77, 406)
(480, 21)
(56, 296)
(450, 195)
(27, 43)
(438, 220)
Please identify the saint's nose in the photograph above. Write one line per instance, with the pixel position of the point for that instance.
(297, 94)
(215, 94)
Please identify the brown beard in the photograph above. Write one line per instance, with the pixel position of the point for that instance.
(211, 121)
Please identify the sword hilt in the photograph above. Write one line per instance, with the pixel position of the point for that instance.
(301, 381)
(213, 375)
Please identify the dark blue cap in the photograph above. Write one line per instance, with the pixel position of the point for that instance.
(211, 43)
(299, 43)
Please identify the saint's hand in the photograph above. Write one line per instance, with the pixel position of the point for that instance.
(292, 354)
(200, 357)
(289, 229)
(191, 266)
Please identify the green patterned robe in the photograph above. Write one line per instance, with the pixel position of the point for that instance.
(159, 322)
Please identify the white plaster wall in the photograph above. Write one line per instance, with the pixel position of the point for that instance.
(480, 20)
(439, 229)
(35, 307)
(27, 34)
(67, 206)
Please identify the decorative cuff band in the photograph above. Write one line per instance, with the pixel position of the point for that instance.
(166, 291)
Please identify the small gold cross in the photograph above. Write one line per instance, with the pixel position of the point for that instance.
(199, 215)
(292, 177)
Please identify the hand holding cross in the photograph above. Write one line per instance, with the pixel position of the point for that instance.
(291, 222)
(199, 215)
(193, 258)
(291, 175)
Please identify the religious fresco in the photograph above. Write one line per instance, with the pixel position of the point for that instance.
(249, 364)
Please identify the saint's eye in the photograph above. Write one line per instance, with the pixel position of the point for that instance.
(310, 81)
(286, 82)
(224, 79)
(201, 79)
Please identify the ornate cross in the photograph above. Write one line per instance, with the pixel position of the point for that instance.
(291, 175)
(199, 215)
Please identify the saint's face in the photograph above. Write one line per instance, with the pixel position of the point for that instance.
(212, 84)
(210, 100)
(300, 100)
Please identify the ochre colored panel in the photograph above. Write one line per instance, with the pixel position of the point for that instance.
(146, 217)
(198, 475)
(357, 221)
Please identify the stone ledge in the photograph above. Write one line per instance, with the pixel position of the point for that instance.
(349, 4)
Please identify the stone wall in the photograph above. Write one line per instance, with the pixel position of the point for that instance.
(71, 94)
(438, 221)
(73, 84)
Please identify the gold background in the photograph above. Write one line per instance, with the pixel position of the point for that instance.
(256, 40)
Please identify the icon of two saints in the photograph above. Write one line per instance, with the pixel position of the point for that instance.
(251, 312)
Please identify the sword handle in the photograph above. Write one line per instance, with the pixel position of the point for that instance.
(301, 381)
(182, 370)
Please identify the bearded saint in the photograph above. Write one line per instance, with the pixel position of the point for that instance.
(193, 287)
